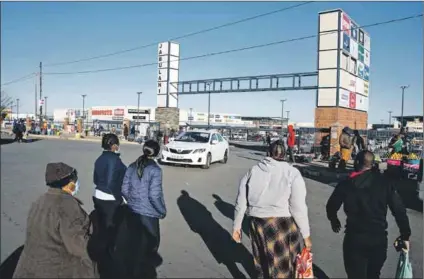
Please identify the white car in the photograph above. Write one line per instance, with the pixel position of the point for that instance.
(197, 148)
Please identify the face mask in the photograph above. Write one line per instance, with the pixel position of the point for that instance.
(76, 188)
(117, 151)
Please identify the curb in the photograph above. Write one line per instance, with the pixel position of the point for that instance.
(74, 139)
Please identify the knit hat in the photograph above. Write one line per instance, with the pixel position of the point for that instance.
(59, 174)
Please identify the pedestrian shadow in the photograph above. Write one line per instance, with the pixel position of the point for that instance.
(227, 209)
(7, 267)
(6, 141)
(217, 239)
(319, 273)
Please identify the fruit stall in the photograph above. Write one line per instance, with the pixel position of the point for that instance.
(407, 165)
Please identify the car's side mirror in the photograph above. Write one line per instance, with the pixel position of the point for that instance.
(213, 142)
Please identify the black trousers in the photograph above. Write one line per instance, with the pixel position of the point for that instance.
(106, 212)
(290, 153)
(364, 255)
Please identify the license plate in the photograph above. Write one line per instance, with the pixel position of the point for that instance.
(177, 157)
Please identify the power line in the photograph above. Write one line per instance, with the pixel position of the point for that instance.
(232, 50)
(180, 37)
(19, 79)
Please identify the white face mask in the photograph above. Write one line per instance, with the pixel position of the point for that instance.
(117, 151)
(76, 188)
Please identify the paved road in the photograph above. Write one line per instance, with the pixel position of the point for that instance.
(196, 252)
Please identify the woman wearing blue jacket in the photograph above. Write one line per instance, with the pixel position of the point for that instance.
(142, 190)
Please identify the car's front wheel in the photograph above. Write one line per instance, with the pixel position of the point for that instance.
(208, 162)
(225, 159)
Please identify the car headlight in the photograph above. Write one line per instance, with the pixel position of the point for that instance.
(200, 150)
(166, 149)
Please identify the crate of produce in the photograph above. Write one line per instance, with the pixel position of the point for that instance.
(393, 162)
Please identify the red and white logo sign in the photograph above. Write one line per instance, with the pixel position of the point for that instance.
(346, 24)
(352, 100)
(119, 112)
(101, 112)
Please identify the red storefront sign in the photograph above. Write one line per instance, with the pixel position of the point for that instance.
(119, 112)
(101, 112)
(352, 100)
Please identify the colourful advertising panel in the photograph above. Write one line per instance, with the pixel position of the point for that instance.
(367, 42)
(366, 58)
(366, 88)
(344, 98)
(366, 73)
(346, 42)
(353, 48)
(361, 53)
(352, 100)
(361, 69)
(345, 24)
(354, 30)
(361, 37)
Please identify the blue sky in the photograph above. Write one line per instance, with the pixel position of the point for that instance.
(55, 32)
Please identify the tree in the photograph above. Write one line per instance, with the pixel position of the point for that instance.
(6, 102)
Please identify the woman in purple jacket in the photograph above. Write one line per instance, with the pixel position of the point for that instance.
(142, 190)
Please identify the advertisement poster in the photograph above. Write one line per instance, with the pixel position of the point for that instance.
(352, 100)
(366, 58)
(344, 98)
(366, 73)
(366, 88)
(345, 24)
(367, 43)
(361, 69)
(352, 66)
(361, 37)
(353, 48)
(354, 31)
(361, 53)
(359, 85)
(346, 42)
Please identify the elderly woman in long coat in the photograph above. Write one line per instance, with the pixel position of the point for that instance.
(57, 231)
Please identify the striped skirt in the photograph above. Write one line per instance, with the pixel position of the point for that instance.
(275, 244)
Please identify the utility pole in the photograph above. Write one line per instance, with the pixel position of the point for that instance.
(403, 87)
(41, 93)
(209, 105)
(45, 107)
(17, 108)
(138, 107)
(36, 99)
(390, 117)
(83, 108)
(288, 112)
(282, 115)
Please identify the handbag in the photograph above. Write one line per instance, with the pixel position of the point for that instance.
(304, 268)
(404, 267)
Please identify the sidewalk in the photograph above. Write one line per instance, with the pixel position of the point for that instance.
(72, 137)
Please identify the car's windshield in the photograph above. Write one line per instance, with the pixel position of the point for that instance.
(194, 137)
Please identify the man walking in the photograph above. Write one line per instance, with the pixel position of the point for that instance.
(366, 195)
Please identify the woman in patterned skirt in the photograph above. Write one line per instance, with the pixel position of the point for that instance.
(273, 194)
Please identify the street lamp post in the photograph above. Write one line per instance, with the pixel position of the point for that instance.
(282, 114)
(45, 106)
(17, 108)
(390, 117)
(83, 109)
(138, 108)
(403, 87)
(191, 115)
(209, 105)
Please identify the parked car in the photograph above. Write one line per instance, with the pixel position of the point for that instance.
(197, 148)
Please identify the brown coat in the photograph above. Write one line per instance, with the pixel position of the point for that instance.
(56, 239)
(345, 141)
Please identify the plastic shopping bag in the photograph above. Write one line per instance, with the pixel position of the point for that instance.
(404, 268)
(304, 264)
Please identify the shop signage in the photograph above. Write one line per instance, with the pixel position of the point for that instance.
(135, 111)
(352, 100)
(366, 88)
(367, 73)
(361, 37)
(141, 117)
(117, 118)
(119, 112)
(354, 31)
(41, 102)
(366, 57)
(367, 42)
(190, 118)
(346, 42)
(346, 24)
(101, 112)
(361, 53)
(360, 69)
(353, 48)
(344, 98)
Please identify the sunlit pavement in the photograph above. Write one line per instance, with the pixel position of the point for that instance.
(185, 253)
